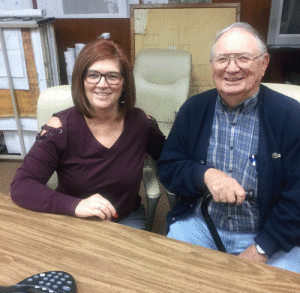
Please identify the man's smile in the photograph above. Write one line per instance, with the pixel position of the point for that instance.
(233, 79)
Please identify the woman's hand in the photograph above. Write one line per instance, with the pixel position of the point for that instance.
(96, 205)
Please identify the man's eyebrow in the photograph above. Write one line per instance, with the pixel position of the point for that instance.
(228, 54)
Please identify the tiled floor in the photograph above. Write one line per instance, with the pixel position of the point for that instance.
(7, 173)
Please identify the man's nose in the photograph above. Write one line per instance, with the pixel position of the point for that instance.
(232, 65)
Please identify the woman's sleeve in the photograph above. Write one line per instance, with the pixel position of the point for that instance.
(156, 139)
(28, 188)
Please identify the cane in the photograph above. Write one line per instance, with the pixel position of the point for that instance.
(209, 222)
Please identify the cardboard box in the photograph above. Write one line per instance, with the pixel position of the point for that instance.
(29, 130)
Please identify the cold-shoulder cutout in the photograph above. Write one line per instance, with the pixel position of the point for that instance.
(53, 122)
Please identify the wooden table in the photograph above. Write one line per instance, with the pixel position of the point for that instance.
(108, 257)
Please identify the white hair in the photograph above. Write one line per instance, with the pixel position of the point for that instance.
(244, 26)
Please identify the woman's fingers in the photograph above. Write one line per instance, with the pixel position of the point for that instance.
(105, 206)
(96, 205)
(105, 212)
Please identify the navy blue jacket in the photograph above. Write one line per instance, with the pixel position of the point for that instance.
(183, 163)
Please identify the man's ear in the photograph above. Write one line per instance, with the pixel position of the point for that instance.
(266, 60)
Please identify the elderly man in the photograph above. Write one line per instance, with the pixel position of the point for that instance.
(238, 137)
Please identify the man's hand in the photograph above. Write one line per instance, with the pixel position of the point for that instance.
(251, 253)
(96, 205)
(224, 188)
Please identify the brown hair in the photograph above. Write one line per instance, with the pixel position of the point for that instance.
(96, 50)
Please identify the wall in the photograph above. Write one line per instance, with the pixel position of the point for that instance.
(71, 31)
(254, 12)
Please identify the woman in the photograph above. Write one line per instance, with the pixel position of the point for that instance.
(97, 147)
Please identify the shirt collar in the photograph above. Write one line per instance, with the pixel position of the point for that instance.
(244, 107)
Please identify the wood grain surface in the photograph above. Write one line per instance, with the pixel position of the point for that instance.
(109, 257)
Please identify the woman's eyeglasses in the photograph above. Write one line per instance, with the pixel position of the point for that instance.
(112, 78)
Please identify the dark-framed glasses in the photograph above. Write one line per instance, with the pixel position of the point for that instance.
(242, 60)
(112, 78)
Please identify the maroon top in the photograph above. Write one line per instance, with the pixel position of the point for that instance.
(85, 167)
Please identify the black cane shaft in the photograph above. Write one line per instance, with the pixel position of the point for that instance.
(209, 222)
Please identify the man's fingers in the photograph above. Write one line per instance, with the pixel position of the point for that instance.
(231, 198)
(224, 188)
(240, 196)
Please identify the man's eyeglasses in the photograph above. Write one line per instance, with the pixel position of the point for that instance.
(242, 60)
(112, 78)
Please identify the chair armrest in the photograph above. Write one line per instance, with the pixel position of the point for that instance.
(150, 178)
(152, 190)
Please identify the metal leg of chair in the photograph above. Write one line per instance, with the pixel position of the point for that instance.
(151, 208)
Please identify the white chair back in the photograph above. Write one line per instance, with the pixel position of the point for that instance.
(162, 79)
(289, 90)
(53, 100)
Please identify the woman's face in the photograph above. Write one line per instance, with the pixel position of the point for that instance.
(101, 94)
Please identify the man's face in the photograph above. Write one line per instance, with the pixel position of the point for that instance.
(236, 84)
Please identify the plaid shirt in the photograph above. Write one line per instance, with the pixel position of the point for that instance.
(234, 139)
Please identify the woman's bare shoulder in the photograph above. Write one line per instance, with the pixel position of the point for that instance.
(53, 122)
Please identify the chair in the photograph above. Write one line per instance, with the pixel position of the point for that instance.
(50, 101)
(162, 80)
(58, 98)
(289, 90)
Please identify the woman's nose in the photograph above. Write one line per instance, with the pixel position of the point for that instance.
(102, 81)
